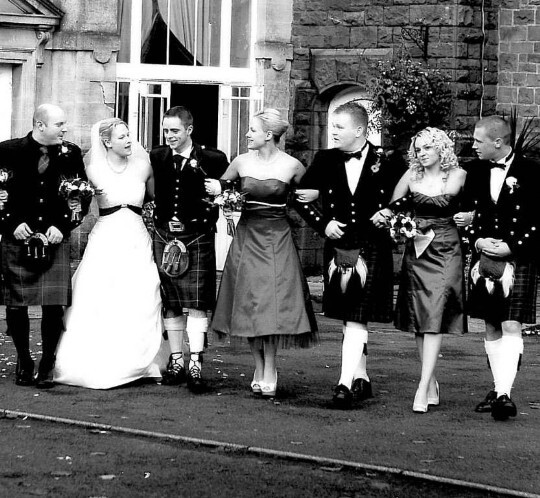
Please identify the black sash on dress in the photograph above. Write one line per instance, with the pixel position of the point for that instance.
(106, 211)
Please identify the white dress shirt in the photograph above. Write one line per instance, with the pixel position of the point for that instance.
(353, 168)
(498, 176)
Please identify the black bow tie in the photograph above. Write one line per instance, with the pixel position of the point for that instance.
(352, 155)
(498, 165)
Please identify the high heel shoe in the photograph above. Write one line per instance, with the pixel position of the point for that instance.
(434, 400)
(256, 386)
(419, 407)
(268, 389)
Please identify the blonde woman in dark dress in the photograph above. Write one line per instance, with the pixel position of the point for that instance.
(263, 296)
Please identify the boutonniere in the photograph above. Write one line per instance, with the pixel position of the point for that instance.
(64, 149)
(380, 155)
(512, 183)
(193, 163)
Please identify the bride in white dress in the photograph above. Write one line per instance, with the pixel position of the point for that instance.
(114, 327)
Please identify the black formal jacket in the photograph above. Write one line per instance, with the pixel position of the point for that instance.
(182, 194)
(515, 217)
(327, 174)
(33, 198)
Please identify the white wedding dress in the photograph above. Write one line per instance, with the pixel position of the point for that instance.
(114, 325)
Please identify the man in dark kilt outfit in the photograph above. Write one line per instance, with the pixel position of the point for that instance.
(354, 182)
(184, 249)
(503, 187)
(36, 240)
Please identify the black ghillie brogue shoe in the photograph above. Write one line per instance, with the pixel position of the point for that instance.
(342, 397)
(485, 405)
(503, 408)
(176, 372)
(44, 380)
(361, 389)
(195, 382)
(24, 373)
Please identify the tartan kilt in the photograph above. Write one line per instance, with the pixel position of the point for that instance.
(372, 303)
(29, 287)
(196, 288)
(520, 305)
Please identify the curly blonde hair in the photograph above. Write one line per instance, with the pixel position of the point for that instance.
(444, 146)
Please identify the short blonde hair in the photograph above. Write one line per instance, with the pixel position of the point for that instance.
(271, 121)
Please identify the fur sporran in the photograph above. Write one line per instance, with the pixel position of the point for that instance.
(494, 272)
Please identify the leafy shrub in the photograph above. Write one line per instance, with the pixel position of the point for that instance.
(409, 96)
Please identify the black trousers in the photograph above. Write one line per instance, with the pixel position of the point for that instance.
(52, 326)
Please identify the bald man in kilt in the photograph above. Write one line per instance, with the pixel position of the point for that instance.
(184, 222)
(504, 188)
(353, 182)
(36, 237)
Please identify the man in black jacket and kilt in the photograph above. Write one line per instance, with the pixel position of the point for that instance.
(503, 187)
(184, 249)
(36, 240)
(354, 182)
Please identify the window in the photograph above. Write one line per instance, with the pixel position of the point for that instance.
(188, 32)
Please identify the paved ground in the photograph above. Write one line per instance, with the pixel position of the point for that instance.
(450, 441)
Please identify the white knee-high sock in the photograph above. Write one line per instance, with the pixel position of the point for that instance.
(361, 371)
(493, 350)
(196, 330)
(511, 349)
(354, 339)
(175, 327)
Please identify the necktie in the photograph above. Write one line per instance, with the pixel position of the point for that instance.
(43, 162)
(178, 162)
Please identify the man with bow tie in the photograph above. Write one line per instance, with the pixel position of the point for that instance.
(184, 221)
(353, 182)
(503, 186)
(36, 241)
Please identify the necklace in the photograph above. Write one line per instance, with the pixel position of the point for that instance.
(115, 170)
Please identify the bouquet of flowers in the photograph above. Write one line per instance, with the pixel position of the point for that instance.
(402, 226)
(77, 189)
(230, 200)
(5, 176)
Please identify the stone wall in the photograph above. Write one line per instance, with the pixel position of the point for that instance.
(519, 56)
(338, 42)
(81, 61)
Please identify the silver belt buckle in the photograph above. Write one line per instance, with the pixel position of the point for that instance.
(176, 227)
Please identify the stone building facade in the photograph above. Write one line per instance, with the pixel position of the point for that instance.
(485, 48)
(304, 57)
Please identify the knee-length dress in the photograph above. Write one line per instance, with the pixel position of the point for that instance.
(431, 291)
(263, 291)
